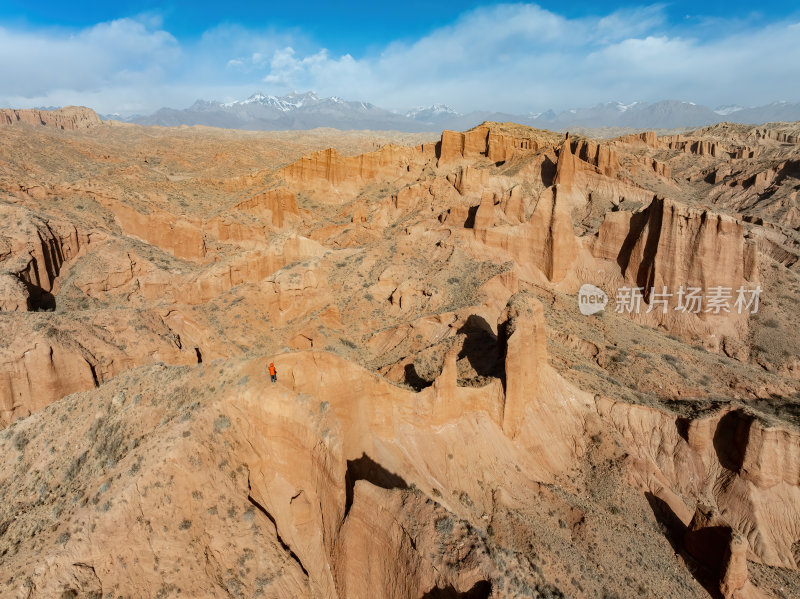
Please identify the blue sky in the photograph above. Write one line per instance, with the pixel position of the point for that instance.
(137, 56)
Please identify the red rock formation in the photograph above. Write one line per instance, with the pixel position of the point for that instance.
(42, 364)
(339, 174)
(229, 229)
(661, 169)
(779, 136)
(384, 513)
(248, 267)
(567, 165)
(703, 148)
(601, 156)
(483, 142)
(336, 482)
(181, 236)
(68, 118)
(546, 241)
(698, 147)
(746, 468)
(278, 205)
(468, 179)
(762, 180)
(744, 153)
(648, 138)
(522, 328)
(471, 144)
(515, 205)
(34, 253)
(710, 540)
(673, 245)
(14, 294)
(501, 148)
(588, 170)
(551, 231)
(39, 376)
(484, 215)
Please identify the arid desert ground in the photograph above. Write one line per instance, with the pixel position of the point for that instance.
(448, 420)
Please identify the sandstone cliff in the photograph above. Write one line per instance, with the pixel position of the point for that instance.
(672, 245)
(447, 422)
(69, 118)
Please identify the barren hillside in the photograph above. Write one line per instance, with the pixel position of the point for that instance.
(451, 417)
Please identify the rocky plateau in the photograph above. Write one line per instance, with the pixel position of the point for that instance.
(447, 422)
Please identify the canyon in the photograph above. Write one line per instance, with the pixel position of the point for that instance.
(446, 421)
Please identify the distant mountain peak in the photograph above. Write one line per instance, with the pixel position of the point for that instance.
(435, 110)
(306, 110)
(286, 103)
(295, 95)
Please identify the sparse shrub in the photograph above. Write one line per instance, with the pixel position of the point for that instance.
(135, 466)
(185, 525)
(20, 441)
(75, 466)
(221, 423)
(620, 356)
(108, 447)
(347, 343)
(444, 525)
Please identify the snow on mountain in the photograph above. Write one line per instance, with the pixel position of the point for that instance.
(285, 103)
(624, 107)
(728, 109)
(436, 110)
(307, 110)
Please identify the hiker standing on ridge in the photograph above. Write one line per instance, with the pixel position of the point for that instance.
(273, 374)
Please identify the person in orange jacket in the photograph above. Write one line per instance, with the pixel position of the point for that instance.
(273, 373)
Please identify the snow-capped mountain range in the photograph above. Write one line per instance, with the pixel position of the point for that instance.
(307, 110)
(425, 112)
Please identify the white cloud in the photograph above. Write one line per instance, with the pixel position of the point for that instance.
(513, 58)
(518, 58)
(106, 54)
